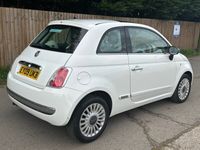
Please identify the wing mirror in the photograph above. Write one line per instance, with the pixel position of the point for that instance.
(173, 51)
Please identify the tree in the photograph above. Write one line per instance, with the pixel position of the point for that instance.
(159, 9)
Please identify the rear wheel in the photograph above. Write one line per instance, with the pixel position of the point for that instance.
(90, 119)
(182, 90)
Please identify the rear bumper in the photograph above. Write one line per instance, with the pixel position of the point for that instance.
(52, 105)
(43, 109)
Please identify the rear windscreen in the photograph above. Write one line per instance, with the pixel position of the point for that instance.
(59, 38)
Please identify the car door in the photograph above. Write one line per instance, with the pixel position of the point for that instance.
(152, 73)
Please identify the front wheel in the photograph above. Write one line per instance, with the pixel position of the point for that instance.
(182, 90)
(90, 119)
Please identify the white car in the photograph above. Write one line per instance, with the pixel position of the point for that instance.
(81, 72)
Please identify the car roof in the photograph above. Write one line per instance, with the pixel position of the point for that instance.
(83, 23)
(91, 23)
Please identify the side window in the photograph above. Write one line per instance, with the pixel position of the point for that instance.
(146, 41)
(112, 41)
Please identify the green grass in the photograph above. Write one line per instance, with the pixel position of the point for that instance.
(190, 52)
(3, 75)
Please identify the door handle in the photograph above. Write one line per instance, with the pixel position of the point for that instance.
(137, 68)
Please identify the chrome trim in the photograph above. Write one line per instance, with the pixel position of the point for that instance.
(30, 65)
(124, 96)
(137, 69)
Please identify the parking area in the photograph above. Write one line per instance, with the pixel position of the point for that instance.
(153, 126)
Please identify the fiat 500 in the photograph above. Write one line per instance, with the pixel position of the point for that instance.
(81, 72)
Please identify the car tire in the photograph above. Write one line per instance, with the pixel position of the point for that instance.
(182, 90)
(89, 119)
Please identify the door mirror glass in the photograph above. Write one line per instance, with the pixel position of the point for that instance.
(173, 50)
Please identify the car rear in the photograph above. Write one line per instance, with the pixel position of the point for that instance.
(36, 81)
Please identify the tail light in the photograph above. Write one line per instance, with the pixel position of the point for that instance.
(59, 78)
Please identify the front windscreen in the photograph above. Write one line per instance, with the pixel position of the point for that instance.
(59, 38)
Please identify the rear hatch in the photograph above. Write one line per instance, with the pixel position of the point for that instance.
(47, 62)
(50, 50)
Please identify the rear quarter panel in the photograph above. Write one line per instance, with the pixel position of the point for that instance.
(106, 73)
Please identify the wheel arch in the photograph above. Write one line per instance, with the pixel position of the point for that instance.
(186, 71)
(175, 98)
(189, 73)
(101, 93)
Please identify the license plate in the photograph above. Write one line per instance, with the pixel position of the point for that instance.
(29, 72)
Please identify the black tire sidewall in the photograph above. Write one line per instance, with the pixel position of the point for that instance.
(78, 112)
(175, 98)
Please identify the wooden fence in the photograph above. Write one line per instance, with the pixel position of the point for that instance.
(19, 26)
